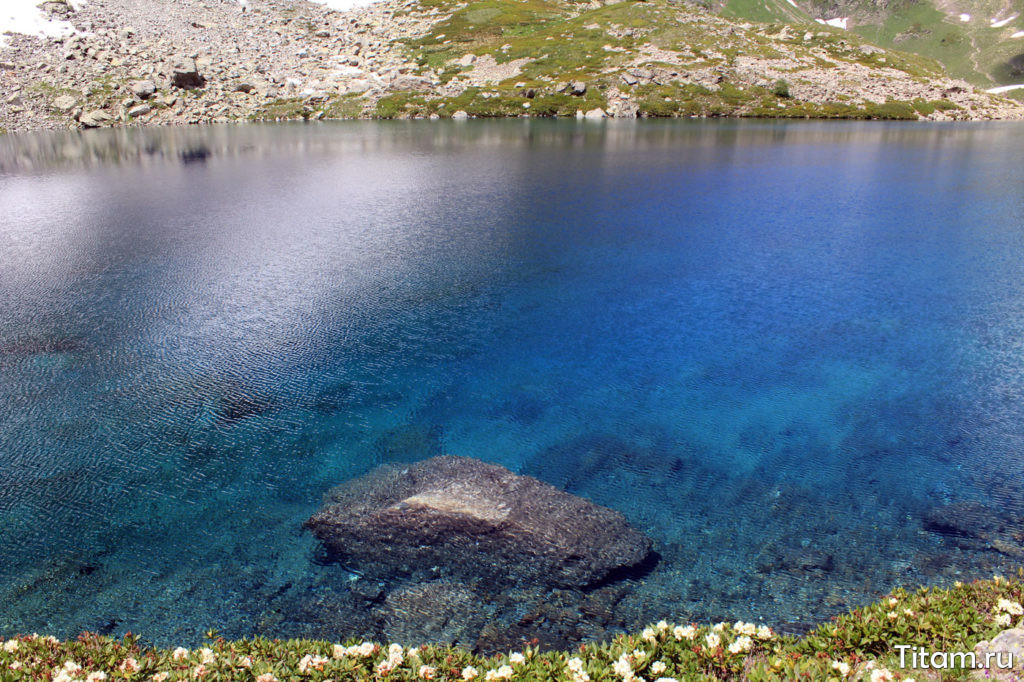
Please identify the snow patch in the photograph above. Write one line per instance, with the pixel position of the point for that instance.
(1004, 88)
(965, 17)
(999, 23)
(23, 16)
(345, 5)
(838, 23)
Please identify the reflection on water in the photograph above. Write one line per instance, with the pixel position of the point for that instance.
(786, 352)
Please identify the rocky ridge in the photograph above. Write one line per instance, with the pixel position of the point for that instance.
(214, 61)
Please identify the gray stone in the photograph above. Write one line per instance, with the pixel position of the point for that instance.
(185, 74)
(466, 60)
(1007, 646)
(460, 115)
(142, 89)
(462, 519)
(64, 103)
(595, 113)
(95, 119)
(407, 83)
(140, 110)
(357, 86)
(578, 88)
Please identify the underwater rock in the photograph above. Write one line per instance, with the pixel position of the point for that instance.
(466, 520)
(440, 612)
(962, 519)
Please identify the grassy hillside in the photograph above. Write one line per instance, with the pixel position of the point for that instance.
(974, 40)
(658, 58)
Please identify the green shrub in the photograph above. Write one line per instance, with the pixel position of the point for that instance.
(781, 88)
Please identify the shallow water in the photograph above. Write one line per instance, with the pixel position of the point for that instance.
(772, 346)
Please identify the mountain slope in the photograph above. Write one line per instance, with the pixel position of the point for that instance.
(189, 61)
(979, 40)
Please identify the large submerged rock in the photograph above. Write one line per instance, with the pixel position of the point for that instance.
(464, 519)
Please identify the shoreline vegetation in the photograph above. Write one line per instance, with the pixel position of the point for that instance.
(127, 63)
(865, 644)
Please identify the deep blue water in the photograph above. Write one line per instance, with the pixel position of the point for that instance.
(773, 346)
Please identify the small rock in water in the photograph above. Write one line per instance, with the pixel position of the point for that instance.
(463, 519)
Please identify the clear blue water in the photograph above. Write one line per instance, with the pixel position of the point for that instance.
(773, 346)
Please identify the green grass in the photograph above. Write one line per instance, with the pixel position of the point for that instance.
(862, 643)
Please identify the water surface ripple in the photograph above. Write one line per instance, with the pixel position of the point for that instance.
(776, 348)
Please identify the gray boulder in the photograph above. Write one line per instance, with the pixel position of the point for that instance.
(64, 103)
(140, 110)
(95, 119)
(466, 520)
(142, 89)
(1005, 648)
(185, 74)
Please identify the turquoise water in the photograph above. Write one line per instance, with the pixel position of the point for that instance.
(774, 347)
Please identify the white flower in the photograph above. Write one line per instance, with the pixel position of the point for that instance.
(574, 664)
(881, 675)
(309, 661)
(367, 649)
(662, 625)
(666, 679)
(892, 615)
(1003, 619)
(395, 650)
(658, 667)
(712, 640)
(245, 662)
(15, 665)
(638, 655)
(340, 651)
(648, 635)
(427, 672)
(266, 677)
(765, 632)
(469, 673)
(719, 627)
(517, 658)
(208, 655)
(11, 645)
(159, 677)
(97, 676)
(893, 601)
(623, 668)
(741, 645)
(842, 667)
(62, 676)
(1011, 607)
(129, 665)
(744, 628)
(502, 673)
(413, 651)
(180, 654)
(681, 633)
(71, 667)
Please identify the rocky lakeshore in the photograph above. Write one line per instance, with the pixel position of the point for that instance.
(127, 62)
